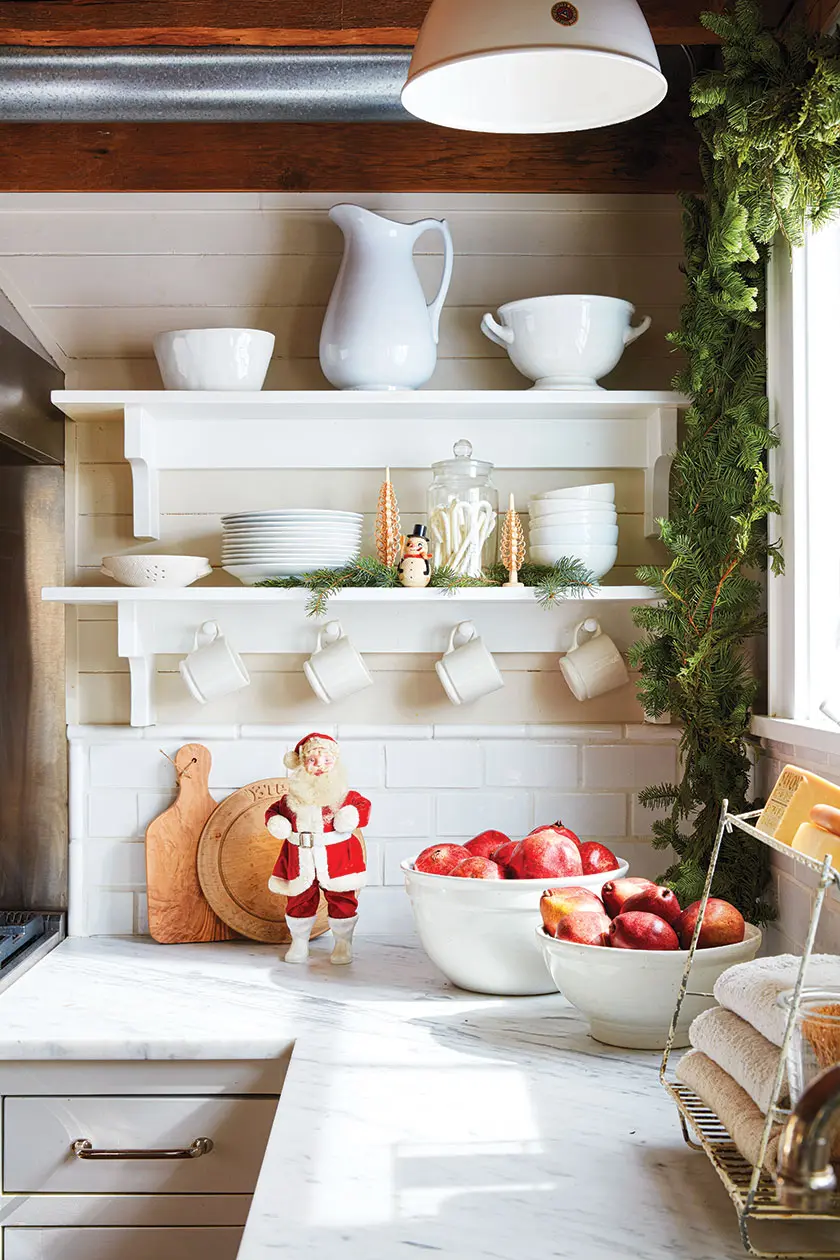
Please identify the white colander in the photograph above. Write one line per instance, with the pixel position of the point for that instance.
(171, 571)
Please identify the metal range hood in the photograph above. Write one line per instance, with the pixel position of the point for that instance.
(110, 85)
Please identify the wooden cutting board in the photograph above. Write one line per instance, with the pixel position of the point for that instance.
(178, 910)
(236, 855)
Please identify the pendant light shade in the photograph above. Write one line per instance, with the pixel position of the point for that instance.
(528, 66)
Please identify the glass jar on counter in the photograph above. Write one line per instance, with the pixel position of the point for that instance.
(463, 508)
(815, 1044)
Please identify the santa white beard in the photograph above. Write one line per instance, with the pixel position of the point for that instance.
(327, 789)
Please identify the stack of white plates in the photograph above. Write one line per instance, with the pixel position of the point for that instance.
(259, 545)
(576, 523)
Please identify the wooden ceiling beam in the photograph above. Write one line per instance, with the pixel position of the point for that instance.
(656, 153)
(266, 23)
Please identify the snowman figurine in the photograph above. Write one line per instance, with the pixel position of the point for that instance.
(415, 567)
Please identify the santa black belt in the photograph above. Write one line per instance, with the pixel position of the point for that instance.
(313, 839)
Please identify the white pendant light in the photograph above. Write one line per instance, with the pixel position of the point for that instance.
(527, 66)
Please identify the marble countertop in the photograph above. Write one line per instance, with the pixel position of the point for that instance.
(415, 1117)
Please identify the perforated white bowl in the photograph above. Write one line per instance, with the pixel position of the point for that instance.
(171, 571)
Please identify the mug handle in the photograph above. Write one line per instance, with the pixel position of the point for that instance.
(330, 633)
(590, 627)
(630, 334)
(466, 630)
(206, 634)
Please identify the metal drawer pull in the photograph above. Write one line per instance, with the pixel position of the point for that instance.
(83, 1149)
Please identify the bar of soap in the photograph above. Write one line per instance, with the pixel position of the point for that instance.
(815, 843)
(791, 801)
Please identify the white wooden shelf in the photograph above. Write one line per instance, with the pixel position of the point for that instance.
(574, 429)
(153, 622)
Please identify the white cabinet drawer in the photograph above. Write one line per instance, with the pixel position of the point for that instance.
(122, 1244)
(38, 1135)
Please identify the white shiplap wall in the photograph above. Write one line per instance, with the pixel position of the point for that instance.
(96, 275)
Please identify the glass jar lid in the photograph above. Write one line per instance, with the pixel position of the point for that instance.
(463, 464)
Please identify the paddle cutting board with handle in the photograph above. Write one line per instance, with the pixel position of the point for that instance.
(178, 910)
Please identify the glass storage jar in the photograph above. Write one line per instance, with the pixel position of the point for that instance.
(463, 507)
(815, 1044)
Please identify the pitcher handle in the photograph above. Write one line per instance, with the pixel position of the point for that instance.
(436, 305)
(497, 332)
(631, 334)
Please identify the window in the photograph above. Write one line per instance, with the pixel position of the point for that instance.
(803, 344)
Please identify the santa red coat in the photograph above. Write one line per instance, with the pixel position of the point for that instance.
(336, 857)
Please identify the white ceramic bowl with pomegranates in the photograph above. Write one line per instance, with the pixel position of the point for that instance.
(480, 932)
(629, 995)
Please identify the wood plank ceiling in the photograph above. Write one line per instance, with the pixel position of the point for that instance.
(657, 153)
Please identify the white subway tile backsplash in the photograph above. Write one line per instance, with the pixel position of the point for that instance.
(400, 851)
(629, 765)
(481, 732)
(150, 804)
(593, 815)
(364, 761)
(117, 862)
(425, 784)
(125, 766)
(641, 817)
(112, 813)
(434, 764)
(396, 814)
(468, 813)
(109, 913)
(524, 763)
(586, 734)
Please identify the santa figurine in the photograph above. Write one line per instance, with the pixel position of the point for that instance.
(316, 820)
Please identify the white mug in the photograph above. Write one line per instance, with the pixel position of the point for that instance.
(213, 669)
(335, 669)
(593, 667)
(468, 672)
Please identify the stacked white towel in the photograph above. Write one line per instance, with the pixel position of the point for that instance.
(748, 1057)
(752, 989)
(733, 1064)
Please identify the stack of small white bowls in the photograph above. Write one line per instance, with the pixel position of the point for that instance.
(287, 543)
(576, 523)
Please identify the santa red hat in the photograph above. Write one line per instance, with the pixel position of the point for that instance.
(292, 760)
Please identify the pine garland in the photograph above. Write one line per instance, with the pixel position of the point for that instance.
(769, 121)
(567, 579)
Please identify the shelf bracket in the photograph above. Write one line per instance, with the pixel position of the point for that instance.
(141, 663)
(661, 444)
(141, 453)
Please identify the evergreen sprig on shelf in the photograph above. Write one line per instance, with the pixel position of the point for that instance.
(769, 121)
(567, 579)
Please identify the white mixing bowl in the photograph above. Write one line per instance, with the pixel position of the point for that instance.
(629, 995)
(214, 358)
(480, 932)
(567, 341)
(598, 558)
(574, 532)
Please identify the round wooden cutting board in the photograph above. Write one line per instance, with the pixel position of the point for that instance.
(236, 855)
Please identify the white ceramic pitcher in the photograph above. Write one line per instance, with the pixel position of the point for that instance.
(379, 332)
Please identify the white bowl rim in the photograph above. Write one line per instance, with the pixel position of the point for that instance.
(183, 332)
(197, 560)
(571, 297)
(545, 881)
(566, 491)
(713, 953)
